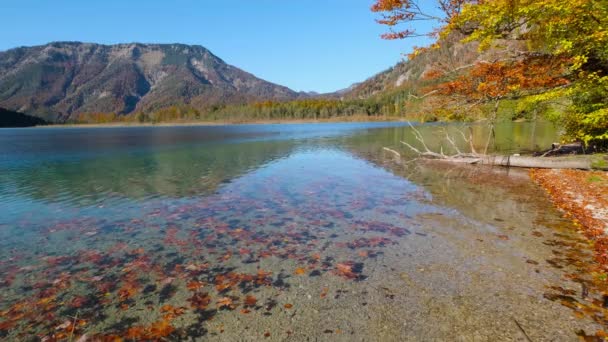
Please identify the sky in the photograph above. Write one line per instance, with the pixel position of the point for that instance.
(306, 45)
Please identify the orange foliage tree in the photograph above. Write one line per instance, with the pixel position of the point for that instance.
(575, 30)
(490, 82)
(395, 13)
(493, 81)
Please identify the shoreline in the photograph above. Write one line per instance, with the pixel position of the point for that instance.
(341, 119)
(583, 198)
(356, 119)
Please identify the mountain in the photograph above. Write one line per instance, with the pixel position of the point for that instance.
(345, 91)
(59, 80)
(13, 119)
(451, 56)
(410, 73)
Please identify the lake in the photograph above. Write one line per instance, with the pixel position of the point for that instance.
(283, 232)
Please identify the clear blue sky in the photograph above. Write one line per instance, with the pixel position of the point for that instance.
(311, 45)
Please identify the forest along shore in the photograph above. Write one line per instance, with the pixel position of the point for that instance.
(583, 197)
(349, 119)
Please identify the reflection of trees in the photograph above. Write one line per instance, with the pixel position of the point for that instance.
(489, 195)
(475, 191)
(183, 171)
(510, 137)
(187, 170)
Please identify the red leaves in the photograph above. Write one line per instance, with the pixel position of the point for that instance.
(382, 227)
(300, 271)
(476, 86)
(199, 262)
(45, 300)
(91, 256)
(485, 81)
(345, 270)
(574, 193)
(172, 239)
(244, 251)
(226, 282)
(369, 242)
(390, 5)
(265, 254)
(128, 290)
(226, 302)
(138, 251)
(221, 287)
(263, 278)
(135, 333)
(172, 312)
(105, 287)
(195, 285)
(54, 261)
(196, 269)
(200, 300)
(160, 329)
(363, 254)
(250, 301)
(226, 256)
(396, 35)
(157, 330)
(395, 12)
(78, 302)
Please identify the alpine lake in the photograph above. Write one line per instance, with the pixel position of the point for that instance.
(290, 232)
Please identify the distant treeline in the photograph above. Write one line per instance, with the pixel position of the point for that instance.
(398, 103)
(307, 109)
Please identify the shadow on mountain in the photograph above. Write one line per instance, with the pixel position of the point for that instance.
(14, 119)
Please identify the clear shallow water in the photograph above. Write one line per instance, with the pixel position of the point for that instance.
(276, 231)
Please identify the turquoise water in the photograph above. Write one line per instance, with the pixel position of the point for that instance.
(259, 231)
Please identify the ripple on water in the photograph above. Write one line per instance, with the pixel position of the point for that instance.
(269, 239)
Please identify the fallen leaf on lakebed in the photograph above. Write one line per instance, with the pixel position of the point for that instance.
(250, 301)
(225, 302)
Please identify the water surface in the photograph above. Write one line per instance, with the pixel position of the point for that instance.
(281, 232)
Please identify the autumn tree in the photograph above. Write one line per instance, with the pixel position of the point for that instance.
(399, 13)
(575, 31)
(490, 82)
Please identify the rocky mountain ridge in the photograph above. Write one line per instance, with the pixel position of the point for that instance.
(58, 80)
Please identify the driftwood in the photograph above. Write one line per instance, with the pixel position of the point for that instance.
(397, 154)
(583, 162)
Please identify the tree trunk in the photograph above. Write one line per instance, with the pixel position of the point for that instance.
(583, 162)
(492, 135)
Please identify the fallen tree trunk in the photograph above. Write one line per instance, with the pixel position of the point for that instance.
(572, 161)
(582, 162)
